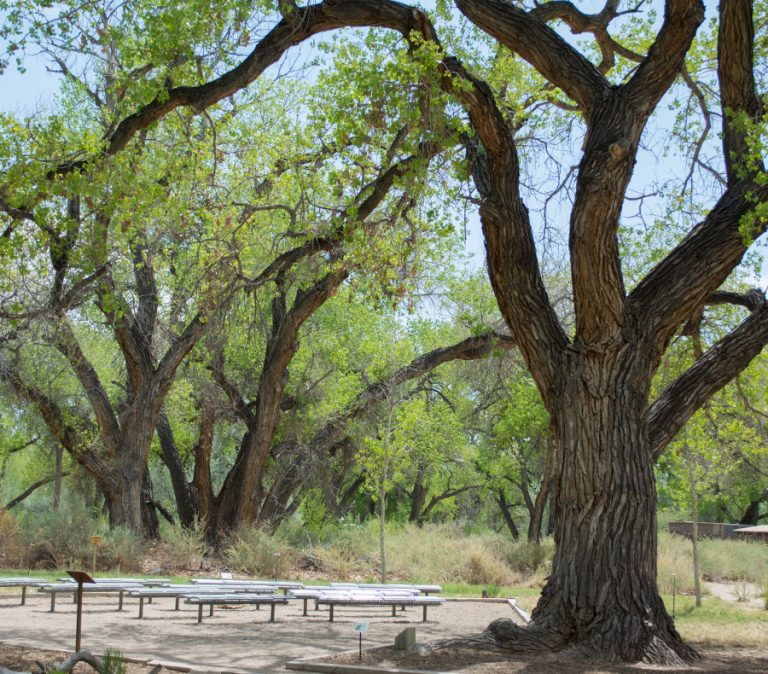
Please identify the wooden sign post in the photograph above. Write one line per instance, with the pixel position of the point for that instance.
(80, 578)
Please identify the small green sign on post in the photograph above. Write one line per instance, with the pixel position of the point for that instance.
(360, 628)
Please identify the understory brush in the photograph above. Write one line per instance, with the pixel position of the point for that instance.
(258, 553)
(437, 553)
(184, 548)
(719, 560)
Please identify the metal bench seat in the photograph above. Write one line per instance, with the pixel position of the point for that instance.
(23, 582)
(103, 586)
(243, 598)
(421, 588)
(332, 600)
(329, 591)
(285, 585)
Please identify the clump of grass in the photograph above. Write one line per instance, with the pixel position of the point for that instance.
(113, 662)
(482, 567)
(258, 553)
(719, 560)
(184, 547)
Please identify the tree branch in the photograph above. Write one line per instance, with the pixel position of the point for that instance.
(471, 348)
(696, 267)
(527, 35)
(31, 489)
(665, 59)
(66, 343)
(735, 39)
(681, 399)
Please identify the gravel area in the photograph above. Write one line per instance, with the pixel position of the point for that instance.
(234, 639)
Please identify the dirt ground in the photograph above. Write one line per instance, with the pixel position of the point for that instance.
(714, 660)
(242, 640)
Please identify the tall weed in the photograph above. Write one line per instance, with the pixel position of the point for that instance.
(184, 547)
(122, 549)
(258, 553)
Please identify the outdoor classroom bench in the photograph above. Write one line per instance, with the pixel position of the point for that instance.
(102, 587)
(285, 585)
(325, 591)
(422, 588)
(23, 582)
(361, 600)
(180, 591)
(236, 599)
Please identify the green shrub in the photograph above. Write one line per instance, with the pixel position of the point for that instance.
(528, 559)
(59, 539)
(482, 567)
(183, 547)
(122, 549)
(258, 553)
(11, 548)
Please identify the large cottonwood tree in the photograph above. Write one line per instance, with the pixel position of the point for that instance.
(595, 380)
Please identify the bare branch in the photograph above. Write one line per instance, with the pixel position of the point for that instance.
(31, 489)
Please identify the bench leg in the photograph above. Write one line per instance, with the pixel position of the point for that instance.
(199, 613)
(272, 613)
(141, 607)
(120, 601)
(424, 619)
(177, 603)
(210, 613)
(331, 607)
(394, 611)
(23, 595)
(53, 602)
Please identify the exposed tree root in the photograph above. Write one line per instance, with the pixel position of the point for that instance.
(505, 636)
(69, 664)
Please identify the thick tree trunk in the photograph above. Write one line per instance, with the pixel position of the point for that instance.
(601, 596)
(124, 501)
